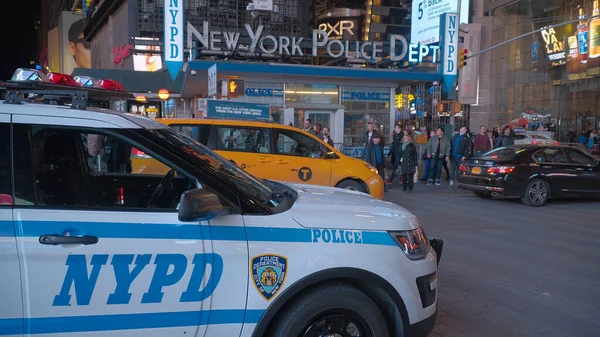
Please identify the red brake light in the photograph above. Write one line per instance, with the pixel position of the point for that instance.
(463, 168)
(556, 143)
(500, 169)
(62, 79)
(111, 85)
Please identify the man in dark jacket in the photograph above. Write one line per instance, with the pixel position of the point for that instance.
(461, 147)
(374, 154)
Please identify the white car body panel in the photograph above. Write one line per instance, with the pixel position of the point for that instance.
(58, 291)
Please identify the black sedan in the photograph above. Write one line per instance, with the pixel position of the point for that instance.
(535, 173)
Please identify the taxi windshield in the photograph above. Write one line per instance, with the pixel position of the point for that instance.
(203, 157)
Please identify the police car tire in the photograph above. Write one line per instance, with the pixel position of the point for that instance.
(307, 307)
(353, 185)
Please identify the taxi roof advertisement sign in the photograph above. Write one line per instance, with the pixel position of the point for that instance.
(236, 110)
(425, 27)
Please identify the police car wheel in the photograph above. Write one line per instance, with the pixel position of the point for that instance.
(351, 185)
(331, 310)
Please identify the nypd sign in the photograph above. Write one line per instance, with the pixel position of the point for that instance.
(449, 25)
(173, 50)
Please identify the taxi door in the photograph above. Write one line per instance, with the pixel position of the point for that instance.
(101, 252)
(300, 159)
(11, 310)
(248, 147)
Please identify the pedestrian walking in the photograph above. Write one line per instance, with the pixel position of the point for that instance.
(407, 162)
(394, 150)
(374, 155)
(482, 142)
(461, 146)
(326, 136)
(426, 159)
(506, 138)
(438, 149)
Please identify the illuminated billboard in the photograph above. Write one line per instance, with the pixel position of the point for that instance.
(425, 19)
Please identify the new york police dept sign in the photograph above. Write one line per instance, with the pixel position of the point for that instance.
(284, 45)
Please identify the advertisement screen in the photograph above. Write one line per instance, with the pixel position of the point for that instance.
(425, 27)
(147, 54)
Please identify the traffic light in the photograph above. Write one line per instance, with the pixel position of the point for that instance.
(462, 58)
(236, 87)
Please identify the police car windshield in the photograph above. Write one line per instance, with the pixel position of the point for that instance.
(227, 172)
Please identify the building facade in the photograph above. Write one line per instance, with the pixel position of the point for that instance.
(550, 77)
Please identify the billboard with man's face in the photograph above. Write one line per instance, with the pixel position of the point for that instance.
(74, 51)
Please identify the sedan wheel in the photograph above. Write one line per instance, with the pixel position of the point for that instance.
(536, 194)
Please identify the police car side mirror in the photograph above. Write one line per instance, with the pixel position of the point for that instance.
(199, 205)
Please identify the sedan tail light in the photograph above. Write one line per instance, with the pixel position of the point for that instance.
(500, 169)
(463, 168)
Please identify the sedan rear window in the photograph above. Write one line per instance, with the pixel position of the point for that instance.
(503, 153)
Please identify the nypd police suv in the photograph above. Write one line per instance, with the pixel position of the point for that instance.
(90, 247)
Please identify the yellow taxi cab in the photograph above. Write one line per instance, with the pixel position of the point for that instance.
(276, 152)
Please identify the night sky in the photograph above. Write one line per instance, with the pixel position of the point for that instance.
(19, 40)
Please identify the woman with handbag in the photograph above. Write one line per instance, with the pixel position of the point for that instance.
(408, 163)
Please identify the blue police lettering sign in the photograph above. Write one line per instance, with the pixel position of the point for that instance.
(337, 236)
(173, 52)
(236, 110)
(262, 92)
(365, 96)
(169, 270)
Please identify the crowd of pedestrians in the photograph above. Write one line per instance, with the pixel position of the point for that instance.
(440, 152)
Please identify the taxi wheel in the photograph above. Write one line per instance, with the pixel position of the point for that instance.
(331, 310)
(351, 185)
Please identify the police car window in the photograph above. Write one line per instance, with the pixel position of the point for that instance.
(519, 137)
(199, 133)
(239, 139)
(551, 155)
(293, 143)
(77, 168)
(5, 171)
(580, 158)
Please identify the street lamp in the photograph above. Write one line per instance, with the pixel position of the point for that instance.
(163, 94)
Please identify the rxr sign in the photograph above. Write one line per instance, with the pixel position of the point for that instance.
(338, 28)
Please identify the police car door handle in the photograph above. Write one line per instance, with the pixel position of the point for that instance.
(55, 239)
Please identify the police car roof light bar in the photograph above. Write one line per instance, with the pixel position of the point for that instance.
(55, 87)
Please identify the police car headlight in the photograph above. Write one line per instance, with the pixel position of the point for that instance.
(370, 167)
(413, 243)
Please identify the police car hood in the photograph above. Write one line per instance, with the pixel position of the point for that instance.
(330, 207)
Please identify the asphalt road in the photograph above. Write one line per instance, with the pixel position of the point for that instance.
(508, 269)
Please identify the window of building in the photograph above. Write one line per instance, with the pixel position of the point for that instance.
(240, 139)
(361, 106)
(93, 170)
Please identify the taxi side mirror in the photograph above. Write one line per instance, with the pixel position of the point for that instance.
(200, 205)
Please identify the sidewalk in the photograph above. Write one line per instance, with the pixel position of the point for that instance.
(422, 187)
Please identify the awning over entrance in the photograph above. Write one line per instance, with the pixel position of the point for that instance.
(195, 80)
(136, 81)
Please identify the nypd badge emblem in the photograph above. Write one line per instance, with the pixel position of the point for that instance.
(268, 273)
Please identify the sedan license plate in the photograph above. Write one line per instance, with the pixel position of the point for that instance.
(476, 170)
